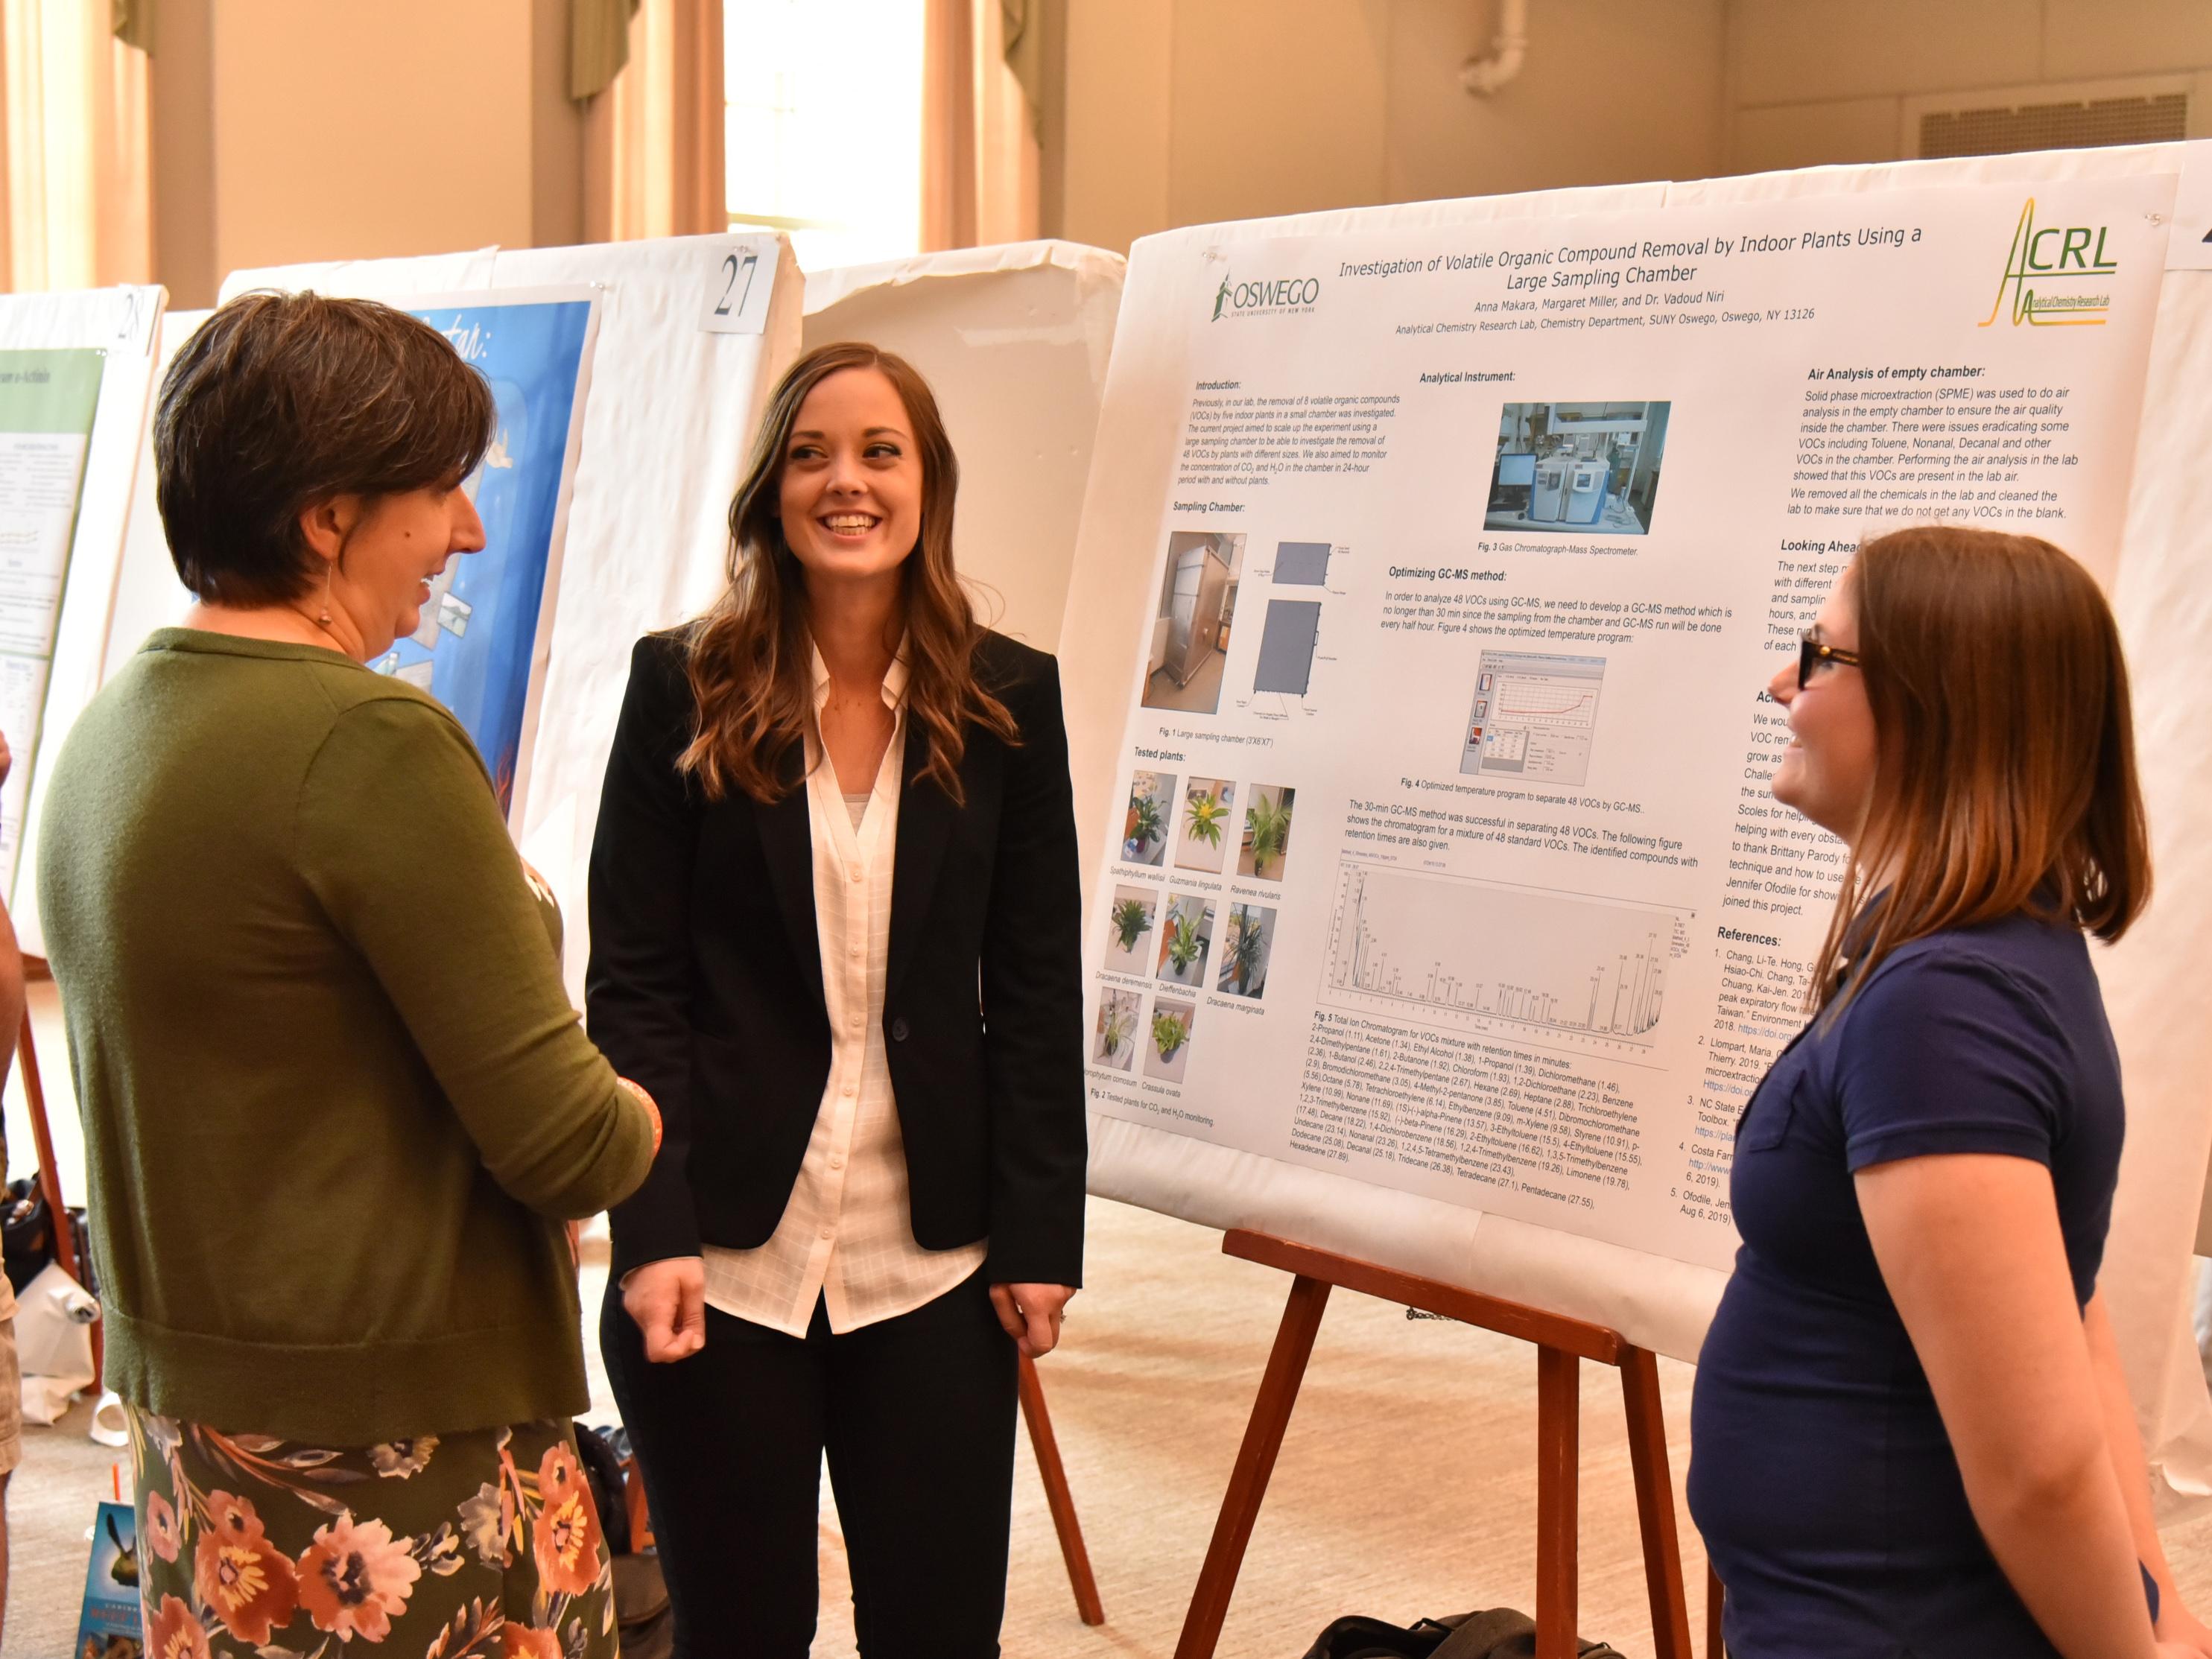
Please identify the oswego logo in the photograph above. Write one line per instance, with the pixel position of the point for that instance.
(1273, 298)
(2043, 269)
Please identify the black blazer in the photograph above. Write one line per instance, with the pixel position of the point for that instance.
(705, 983)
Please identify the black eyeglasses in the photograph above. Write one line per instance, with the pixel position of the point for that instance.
(1812, 654)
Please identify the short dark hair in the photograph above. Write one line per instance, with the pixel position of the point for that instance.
(280, 401)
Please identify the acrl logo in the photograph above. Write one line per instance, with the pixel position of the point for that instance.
(2052, 254)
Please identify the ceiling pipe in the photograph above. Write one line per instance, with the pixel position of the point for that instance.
(1484, 75)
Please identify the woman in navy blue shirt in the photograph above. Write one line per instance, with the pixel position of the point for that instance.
(1911, 1436)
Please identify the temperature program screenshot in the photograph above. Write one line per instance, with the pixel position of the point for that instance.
(1533, 717)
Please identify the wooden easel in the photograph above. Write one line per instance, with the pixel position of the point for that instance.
(42, 1138)
(1561, 1345)
(1059, 1497)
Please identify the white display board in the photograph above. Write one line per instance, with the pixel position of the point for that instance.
(1535, 929)
(149, 593)
(1014, 341)
(64, 497)
(692, 332)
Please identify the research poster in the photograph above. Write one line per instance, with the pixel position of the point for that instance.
(484, 630)
(1441, 854)
(48, 399)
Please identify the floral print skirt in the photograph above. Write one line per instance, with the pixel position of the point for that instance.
(486, 1543)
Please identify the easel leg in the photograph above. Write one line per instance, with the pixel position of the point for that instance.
(1058, 1496)
(1715, 1604)
(1655, 1504)
(1256, 1462)
(1559, 1426)
(50, 1182)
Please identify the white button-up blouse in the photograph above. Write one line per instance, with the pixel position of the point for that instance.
(846, 1235)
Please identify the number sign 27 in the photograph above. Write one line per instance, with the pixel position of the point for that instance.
(737, 293)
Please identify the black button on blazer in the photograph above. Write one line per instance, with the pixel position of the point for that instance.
(705, 983)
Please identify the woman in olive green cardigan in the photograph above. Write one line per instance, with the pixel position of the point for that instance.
(336, 1104)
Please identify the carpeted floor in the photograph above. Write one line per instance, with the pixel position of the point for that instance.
(1407, 1485)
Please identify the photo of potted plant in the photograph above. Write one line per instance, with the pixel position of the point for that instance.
(1186, 935)
(1145, 830)
(1114, 1036)
(1129, 919)
(1245, 946)
(1207, 804)
(1266, 832)
(1170, 1048)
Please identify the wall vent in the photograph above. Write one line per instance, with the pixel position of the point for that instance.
(2049, 117)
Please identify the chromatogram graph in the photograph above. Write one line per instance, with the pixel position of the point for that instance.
(1480, 954)
(1542, 702)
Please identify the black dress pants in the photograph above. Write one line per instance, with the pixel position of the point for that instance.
(917, 1416)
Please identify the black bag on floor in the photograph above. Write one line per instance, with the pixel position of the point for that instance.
(27, 1234)
(27, 1231)
(642, 1614)
(1496, 1633)
(1355, 1638)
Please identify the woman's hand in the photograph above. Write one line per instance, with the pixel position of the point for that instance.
(1031, 1315)
(667, 1301)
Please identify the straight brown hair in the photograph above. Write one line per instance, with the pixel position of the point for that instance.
(2005, 766)
(749, 660)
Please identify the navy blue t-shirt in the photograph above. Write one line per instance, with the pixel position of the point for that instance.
(1820, 1474)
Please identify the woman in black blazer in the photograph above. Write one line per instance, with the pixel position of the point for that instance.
(834, 927)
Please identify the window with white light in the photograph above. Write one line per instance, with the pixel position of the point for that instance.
(823, 125)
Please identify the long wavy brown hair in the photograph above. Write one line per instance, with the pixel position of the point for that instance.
(749, 660)
(2005, 765)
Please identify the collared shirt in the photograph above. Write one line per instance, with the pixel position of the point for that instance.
(846, 1235)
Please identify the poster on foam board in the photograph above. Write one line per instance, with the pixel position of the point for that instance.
(47, 401)
(665, 435)
(2160, 578)
(481, 644)
(484, 629)
(1479, 547)
(2159, 574)
(75, 371)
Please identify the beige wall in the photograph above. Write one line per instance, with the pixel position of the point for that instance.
(316, 129)
(1181, 112)
(1817, 81)
(291, 129)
